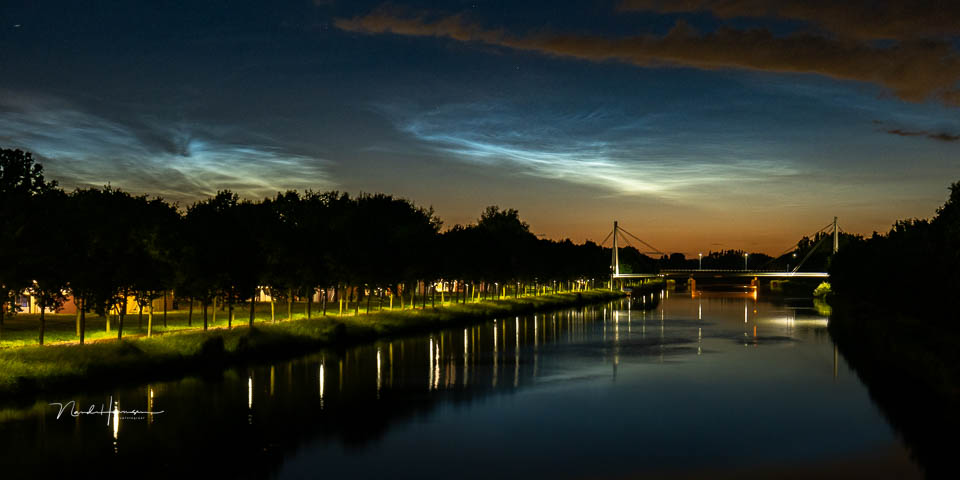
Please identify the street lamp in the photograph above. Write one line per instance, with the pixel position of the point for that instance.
(745, 255)
(701, 260)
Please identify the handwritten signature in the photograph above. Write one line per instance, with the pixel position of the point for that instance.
(71, 408)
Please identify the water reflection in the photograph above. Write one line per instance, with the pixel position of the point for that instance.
(116, 423)
(583, 382)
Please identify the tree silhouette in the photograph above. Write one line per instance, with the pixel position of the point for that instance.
(106, 247)
(21, 183)
(46, 240)
(913, 250)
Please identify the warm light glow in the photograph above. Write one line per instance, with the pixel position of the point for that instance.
(516, 356)
(616, 327)
(430, 380)
(116, 420)
(700, 341)
(466, 358)
(436, 367)
(790, 321)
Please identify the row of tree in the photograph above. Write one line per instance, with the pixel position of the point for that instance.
(104, 246)
(916, 255)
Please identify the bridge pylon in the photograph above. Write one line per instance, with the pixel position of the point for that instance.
(836, 236)
(615, 260)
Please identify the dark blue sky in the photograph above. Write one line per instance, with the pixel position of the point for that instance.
(699, 125)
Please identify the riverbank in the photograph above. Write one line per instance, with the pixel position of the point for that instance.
(911, 367)
(31, 370)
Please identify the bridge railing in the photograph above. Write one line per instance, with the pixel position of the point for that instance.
(716, 270)
(722, 272)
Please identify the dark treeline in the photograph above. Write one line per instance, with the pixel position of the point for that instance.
(895, 321)
(720, 260)
(916, 254)
(103, 246)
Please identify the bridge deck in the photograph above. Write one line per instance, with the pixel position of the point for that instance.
(724, 273)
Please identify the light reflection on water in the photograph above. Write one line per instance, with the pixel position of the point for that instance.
(727, 382)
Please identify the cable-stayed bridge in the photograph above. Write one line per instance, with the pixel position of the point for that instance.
(619, 234)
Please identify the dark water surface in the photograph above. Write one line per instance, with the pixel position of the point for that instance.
(718, 385)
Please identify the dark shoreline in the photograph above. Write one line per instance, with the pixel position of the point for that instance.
(911, 368)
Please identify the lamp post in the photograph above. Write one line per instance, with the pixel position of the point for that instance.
(701, 261)
(745, 255)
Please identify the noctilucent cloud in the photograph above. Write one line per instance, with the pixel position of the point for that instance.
(699, 125)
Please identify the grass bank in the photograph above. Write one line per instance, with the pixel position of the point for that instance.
(32, 369)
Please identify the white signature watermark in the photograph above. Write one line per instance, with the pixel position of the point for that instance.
(111, 409)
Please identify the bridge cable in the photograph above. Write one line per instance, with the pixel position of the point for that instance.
(631, 245)
(795, 245)
(814, 249)
(782, 254)
(655, 249)
(647, 253)
(606, 238)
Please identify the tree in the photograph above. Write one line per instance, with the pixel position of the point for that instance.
(391, 240)
(252, 220)
(505, 245)
(925, 250)
(154, 244)
(108, 246)
(21, 181)
(284, 239)
(208, 254)
(46, 240)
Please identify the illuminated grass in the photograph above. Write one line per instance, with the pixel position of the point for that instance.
(21, 330)
(29, 369)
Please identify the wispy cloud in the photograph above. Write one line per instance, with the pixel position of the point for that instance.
(914, 132)
(914, 70)
(941, 136)
(611, 153)
(865, 19)
(181, 162)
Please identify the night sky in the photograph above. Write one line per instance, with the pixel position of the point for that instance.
(699, 124)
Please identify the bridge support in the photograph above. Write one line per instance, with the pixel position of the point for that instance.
(836, 236)
(615, 260)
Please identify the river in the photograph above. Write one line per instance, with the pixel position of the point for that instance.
(673, 385)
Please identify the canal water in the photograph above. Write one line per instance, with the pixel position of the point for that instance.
(669, 385)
